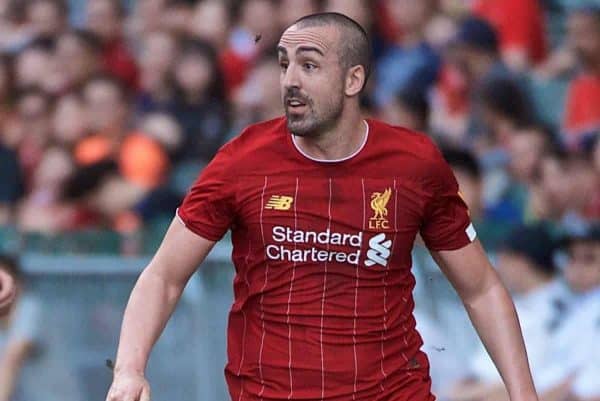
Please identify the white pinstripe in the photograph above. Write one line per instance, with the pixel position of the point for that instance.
(290, 297)
(323, 301)
(385, 310)
(262, 295)
(244, 315)
(356, 297)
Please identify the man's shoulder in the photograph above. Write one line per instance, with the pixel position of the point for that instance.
(260, 134)
(414, 144)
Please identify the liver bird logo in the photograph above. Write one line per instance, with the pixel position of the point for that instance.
(379, 201)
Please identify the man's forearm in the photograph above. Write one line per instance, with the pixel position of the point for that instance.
(495, 319)
(150, 305)
(11, 364)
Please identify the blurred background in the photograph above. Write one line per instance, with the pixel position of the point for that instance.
(109, 109)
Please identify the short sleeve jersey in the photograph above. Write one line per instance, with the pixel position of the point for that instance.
(322, 251)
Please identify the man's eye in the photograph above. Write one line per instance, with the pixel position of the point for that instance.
(283, 66)
(310, 66)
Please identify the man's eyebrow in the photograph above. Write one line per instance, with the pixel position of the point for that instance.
(310, 49)
(301, 49)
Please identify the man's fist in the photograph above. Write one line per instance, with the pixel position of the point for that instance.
(8, 291)
(129, 387)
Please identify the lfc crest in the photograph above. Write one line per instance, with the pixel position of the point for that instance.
(379, 201)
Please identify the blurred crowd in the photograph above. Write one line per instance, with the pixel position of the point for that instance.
(105, 121)
(109, 109)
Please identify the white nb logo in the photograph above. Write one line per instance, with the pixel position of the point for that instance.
(379, 251)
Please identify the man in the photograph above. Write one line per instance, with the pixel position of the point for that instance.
(581, 117)
(323, 225)
(569, 366)
(525, 264)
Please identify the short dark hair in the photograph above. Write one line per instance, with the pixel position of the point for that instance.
(61, 5)
(355, 46)
(11, 265)
(87, 38)
(508, 98)
(462, 160)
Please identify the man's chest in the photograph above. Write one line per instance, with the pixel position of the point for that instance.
(355, 220)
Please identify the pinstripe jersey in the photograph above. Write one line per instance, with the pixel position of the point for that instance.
(322, 251)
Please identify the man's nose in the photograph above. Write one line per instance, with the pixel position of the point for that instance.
(291, 78)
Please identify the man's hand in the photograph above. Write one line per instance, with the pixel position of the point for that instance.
(129, 386)
(7, 292)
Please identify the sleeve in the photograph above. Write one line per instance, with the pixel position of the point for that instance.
(208, 208)
(446, 223)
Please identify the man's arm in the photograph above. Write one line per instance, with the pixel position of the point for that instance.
(492, 313)
(150, 305)
(11, 362)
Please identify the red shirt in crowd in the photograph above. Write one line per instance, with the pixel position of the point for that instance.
(322, 251)
(520, 24)
(119, 62)
(582, 114)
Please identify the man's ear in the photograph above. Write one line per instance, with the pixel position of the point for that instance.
(355, 80)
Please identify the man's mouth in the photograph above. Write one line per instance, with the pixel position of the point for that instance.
(295, 104)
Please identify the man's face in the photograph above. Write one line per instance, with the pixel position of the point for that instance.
(104, 105)
(583, 271)
(584, 37)
(103, 19)
(45, 18)
(311, 78)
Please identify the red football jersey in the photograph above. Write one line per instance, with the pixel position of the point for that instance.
(322, 251)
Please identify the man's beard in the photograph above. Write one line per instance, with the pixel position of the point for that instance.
(311, 123)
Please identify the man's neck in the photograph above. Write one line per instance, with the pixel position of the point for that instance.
(340, 142)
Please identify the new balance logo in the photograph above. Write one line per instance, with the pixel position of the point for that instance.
(379, 251)
(279, 202)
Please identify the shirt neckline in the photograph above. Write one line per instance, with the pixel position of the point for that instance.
(352, 155)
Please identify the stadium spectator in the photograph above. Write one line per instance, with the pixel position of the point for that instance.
(521, 28)
(579, 319)
(78, 55)
(69, 121)
(210, 22)
(41, 209)
(410, 59)
(47, 18)
(32, 130)
(491, 229)
(159, 51)
(409, 109)
(106, 108)
(20, 332)
(201, 108)
(105, 18)
(253, 33)
(358, 10)
(582, 112)
(259, 98)
(291, 10)
(525, 264)
(31, 64)
(12, 183)
(142, 161)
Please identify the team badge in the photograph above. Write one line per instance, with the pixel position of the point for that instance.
(379, 201)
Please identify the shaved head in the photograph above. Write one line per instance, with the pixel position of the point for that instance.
(354, 45)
